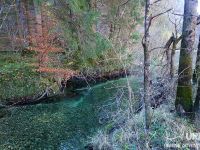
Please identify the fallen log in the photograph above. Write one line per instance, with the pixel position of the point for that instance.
(31, 100)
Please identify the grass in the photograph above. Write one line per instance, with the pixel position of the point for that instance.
(166, 128)
(18, 77)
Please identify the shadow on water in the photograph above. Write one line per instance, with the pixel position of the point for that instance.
(65, 124)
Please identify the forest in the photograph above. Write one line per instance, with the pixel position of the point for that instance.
(99, 74)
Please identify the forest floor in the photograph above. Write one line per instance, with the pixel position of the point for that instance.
(168, 130)
(18, 76)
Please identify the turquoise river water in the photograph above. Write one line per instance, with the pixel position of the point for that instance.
(65, 124)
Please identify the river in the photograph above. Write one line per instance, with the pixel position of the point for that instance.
(64, 124)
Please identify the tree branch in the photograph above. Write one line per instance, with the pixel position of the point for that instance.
(161, 13)
(155, 2)
(151, 18)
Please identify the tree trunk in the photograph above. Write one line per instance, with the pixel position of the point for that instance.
(176, 40)
(44, 19)
(169, 54)
(147, 65)
(18, 23)
(173, 52)
(184, 89)
(30, 15)
(196, 76)
(38, 17)
(22, 22)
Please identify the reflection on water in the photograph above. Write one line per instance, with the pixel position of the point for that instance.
(63, 125)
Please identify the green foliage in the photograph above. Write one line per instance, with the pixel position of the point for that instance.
(88, 48)
(184, 98)
(78, 6)
(17, 77)
(158, 134)
(83, 43)
(135, 36)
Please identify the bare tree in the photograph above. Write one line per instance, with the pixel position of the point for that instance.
(145, 44)
(147, 59)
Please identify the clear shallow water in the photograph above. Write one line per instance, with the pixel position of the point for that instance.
(64, 125)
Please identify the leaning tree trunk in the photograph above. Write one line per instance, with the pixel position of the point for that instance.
(169, 53)
(147, 65)
(173, 52)
(184, 89)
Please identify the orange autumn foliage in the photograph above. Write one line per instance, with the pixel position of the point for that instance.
(58, 72)
(47, 45)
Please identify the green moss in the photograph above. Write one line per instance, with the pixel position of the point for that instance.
(184, 98)
(18, 77)
(184, 89)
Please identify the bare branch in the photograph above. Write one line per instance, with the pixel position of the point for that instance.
(169, 42)
(151, 18)
(156, 2)
(198, 20)
(182, 15)
(161, 13)
(123, 3)
(178, 39)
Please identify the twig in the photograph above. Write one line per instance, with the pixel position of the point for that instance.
(156, 2)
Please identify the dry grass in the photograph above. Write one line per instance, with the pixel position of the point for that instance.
(125, 131)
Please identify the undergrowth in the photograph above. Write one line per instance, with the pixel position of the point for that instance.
(18, 77)
(125, 131)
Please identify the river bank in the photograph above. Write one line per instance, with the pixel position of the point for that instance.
(21, 84)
